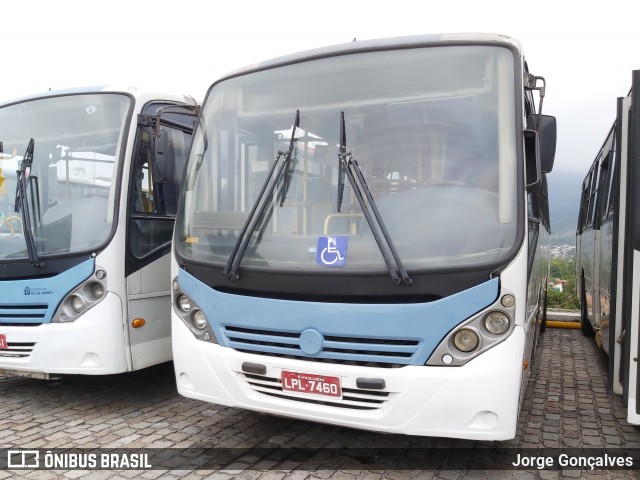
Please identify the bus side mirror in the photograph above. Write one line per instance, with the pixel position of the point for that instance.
(532, 160)
(164, 159)
(548, 137)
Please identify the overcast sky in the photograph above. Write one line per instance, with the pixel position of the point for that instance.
(586, 54)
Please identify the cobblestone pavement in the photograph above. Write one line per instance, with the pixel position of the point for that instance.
(566, 406)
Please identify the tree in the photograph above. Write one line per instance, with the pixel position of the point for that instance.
(565, 270)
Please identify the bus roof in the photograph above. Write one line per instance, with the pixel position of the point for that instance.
(357, 46)
(142, 94)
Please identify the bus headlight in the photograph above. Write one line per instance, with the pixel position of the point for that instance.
(192, 315)
(199, 320)
(76, 303)
(466, 340)
(497, 322)
(183, 303)
(82, 298)
(477, 334)
(97, 290)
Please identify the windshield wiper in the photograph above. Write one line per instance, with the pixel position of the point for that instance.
(341, 171)
(260, 205)
(22, 204)
(349, 167)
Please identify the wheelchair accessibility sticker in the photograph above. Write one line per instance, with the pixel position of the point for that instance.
(332, 251)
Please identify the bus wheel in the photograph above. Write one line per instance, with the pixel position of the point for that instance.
(585, 326)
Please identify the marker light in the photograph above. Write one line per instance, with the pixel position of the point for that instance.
(508, 301)
(138, 322)
(496, 323)
(466, 340)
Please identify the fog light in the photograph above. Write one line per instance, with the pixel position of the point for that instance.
(184, 303)
(496, 323)
(466, 340)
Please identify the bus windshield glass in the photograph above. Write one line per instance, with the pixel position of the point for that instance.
(432, 131)
(70, 183)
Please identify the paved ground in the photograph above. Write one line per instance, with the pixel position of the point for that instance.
(566, 407)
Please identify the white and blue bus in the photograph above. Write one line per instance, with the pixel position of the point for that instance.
(362, 237)
(89, 183)
(608, 250)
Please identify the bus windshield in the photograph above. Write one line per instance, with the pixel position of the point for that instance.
(432, 131)
(69, 184)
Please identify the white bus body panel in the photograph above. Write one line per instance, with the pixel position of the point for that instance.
(92, 345)
(149, 299)
(458, 402)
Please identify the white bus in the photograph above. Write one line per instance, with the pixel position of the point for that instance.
(88, 193)
(362, 237)
(608, 250)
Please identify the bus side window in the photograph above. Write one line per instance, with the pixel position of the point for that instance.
(154, 193)
(610, 205)
(143, 189)
(148, 230)
(165, 182)
(601, 195)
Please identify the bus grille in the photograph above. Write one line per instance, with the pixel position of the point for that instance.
(17, 349)
(352, 398)
(22, 314)
(373, 352)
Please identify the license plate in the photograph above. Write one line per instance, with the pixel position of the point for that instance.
(3, 342)
(311, 383)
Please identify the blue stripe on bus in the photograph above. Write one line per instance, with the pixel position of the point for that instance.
(383, 333)
(35, 300)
